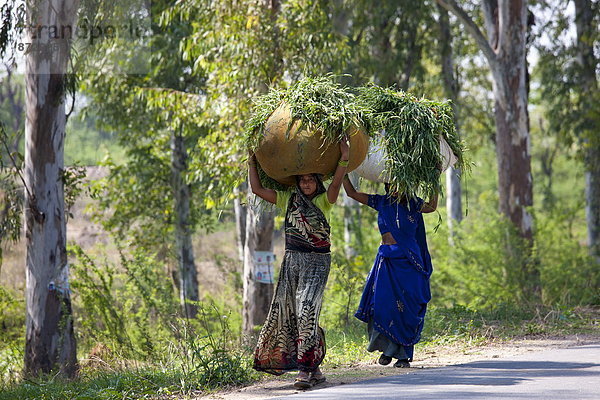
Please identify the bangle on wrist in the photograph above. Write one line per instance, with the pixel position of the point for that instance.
(343, 163)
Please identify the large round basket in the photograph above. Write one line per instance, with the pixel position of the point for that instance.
(284, 153)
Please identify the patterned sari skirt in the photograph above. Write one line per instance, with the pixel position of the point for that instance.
(291, 338)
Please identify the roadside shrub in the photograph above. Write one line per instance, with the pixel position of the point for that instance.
(12, 331)
(570, 277)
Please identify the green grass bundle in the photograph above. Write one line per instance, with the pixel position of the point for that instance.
(412, 129)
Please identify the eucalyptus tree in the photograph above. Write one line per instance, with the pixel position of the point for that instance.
(451, 89)
(569, 92)
(156, 198)
(505, 49)
(50, 341)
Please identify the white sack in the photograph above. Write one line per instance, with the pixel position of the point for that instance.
(373, 167)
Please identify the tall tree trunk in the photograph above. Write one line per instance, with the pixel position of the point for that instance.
(184, 251)
(351, 220)
(587, 33)
(50, 342)
(257, 296)
(506, 24)
(505, 50)
(451, 88)
(240, 210)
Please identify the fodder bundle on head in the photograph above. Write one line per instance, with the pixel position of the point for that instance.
(296, 130)
(408, 130)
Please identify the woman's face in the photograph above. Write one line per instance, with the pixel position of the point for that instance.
(308, 184)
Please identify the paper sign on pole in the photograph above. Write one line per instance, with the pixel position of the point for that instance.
(263, 266)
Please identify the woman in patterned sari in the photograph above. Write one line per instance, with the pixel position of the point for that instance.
(396, 293)
(291, 338)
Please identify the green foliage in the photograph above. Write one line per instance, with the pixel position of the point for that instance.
(12, 324)
(87, 144)
(122, 305)
(11, 193)
(132, 384)
(72, 178)
(346, 345)
(209, 351)
(569, 274)
(569, 76)
(412, 129)
(148, 112)
(389, 44)
(412, 126)
(484, 268)
(131, 313)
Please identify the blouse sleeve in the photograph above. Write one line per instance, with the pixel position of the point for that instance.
(282, 199)
(323, 203)
(375, 201)
(416, 204)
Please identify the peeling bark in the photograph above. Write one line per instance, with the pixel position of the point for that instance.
(586, 33)
(50, 342)
(505, 49)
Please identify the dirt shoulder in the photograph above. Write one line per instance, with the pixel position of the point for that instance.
(439, 356)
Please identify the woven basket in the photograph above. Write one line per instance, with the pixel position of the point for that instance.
(282, 154)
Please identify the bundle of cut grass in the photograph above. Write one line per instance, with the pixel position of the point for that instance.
(409, 132)
(296, 131)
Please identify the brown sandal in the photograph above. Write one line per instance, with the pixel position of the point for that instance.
(302, 383)
(315, 380)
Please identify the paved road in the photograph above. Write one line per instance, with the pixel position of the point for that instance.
(560, 374)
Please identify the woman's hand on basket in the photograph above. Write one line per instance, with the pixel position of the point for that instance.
(345, 147)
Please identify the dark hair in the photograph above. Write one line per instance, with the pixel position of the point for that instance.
(401, 197)
(315, 177)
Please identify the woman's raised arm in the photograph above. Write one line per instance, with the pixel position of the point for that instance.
(257, 188)
(352, 193)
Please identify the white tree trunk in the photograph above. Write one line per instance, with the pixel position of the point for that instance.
(505, 49)
(50, 342)
(240, 219)
(257, 296)
(259, 226)
(184, 251)
(453, 200)
(351, 220)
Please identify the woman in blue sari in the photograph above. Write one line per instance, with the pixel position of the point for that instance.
(396, 294)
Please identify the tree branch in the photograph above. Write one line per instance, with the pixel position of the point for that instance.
(472, 28)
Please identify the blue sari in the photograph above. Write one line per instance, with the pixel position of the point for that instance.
(395, 297)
